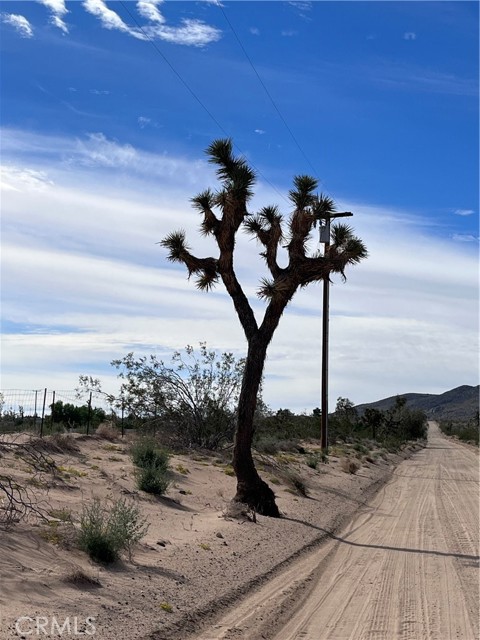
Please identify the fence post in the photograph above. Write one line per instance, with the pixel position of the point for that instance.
(53, 411)
(35, 411)
(89, 412)
(43, 412)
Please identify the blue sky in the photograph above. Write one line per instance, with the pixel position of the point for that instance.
(106, 110)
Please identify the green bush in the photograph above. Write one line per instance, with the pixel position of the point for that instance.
(154, 480)
(152, 466)
(146, 453)
(106, 532)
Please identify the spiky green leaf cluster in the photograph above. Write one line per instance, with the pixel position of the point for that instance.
(302, 196)
(176, 244)
(235, 173)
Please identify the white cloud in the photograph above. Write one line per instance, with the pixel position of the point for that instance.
(58, 10)
(80, 263)
(260, 132)
(100, 92)
(108, 18)
(56, 6)
(289, 33)
(254, 31)
(98, 149)
(19, 23)
(464, 212)
(409, 35)
(191, 32)
(148, 9)
(20, 179)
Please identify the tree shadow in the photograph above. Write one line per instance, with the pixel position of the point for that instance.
(332, 536)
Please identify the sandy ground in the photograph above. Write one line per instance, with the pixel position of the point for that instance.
(194, 563)
(406, 567)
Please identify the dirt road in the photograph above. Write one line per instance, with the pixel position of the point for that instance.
(406, 567)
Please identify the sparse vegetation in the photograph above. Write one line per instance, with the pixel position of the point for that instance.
(349, 465)
(107, 532)
(466, 430)
(152, 471)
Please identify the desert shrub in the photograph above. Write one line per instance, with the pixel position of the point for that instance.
(349, 465)
(106, 532)
(268, 445)
(294, 481)
(152, 480)
(81, 579)
(465, 430)
(146, 453)
(191, 401)
(152, 472)
(57, 443)
(107, 431)
(312, 461)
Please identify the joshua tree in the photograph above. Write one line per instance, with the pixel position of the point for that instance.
(224, 212)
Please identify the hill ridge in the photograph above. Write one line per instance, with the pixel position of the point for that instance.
(459, 403)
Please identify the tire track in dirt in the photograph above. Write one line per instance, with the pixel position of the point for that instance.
(404, 569)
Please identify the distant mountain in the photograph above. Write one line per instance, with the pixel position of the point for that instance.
(457, 404)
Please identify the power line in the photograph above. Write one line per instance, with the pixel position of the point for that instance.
(194, 95)
(268, 92)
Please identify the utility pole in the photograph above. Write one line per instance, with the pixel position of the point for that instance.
(325, 239)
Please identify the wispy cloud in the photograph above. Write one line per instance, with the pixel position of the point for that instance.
(260, 132)
(69, 244)
(302, 6)
(191, 32)
(108, 18)
(422, 79)
(148, 9)
(100, 92)
(464, 237)
(13, 178)
(58, 11)
(303, 9)
(19, 23)
(409, 35)
(464, 212)
(143, 122)
(254, 31)
(99, 150)
(289, 33)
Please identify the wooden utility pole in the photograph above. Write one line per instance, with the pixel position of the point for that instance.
(325, 239)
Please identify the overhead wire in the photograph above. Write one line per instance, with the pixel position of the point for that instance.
(269, 95)
(194, 95)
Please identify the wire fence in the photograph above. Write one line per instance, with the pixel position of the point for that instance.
(46, 411)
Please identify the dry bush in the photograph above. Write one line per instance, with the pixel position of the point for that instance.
(349, 465)
(57, 443)
(239, 511)
(294, 482)
(107, 431)
(80, 579)
(18, 500)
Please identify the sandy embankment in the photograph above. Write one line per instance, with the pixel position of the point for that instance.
(193, 562)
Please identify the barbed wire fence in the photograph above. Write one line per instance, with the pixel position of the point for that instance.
(45, 411)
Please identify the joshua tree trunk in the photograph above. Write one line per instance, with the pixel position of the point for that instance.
(251, 489)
